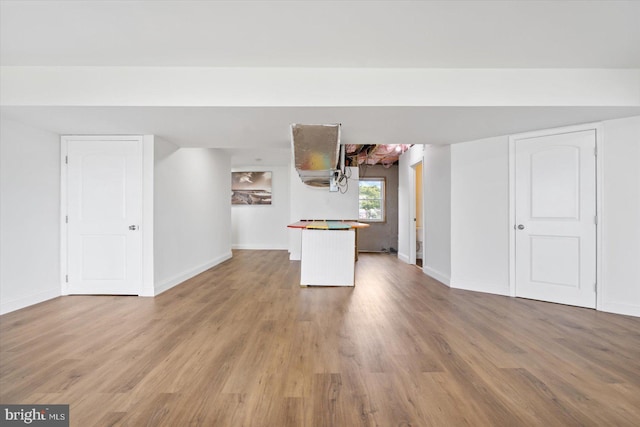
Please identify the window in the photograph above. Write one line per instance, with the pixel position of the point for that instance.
(372, 200)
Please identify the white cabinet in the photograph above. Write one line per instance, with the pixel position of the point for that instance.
(328, 257)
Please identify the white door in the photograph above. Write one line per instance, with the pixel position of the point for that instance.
(104, 212)
(555, 248)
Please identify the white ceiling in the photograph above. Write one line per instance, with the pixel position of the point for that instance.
(256, 132)
(449, 34)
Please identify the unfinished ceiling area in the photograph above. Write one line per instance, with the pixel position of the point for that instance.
(367, 154)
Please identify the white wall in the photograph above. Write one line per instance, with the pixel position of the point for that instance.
(319, 203)
(242, 87)
(406, 201)
(29, 215)
(620, 288)
(437, 212)
(192, 205)
(480, 215)
(264, 226)
(192, 229)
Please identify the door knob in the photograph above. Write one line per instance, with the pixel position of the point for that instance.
(520, 227)
(133, 227)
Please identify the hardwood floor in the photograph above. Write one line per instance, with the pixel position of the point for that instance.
(243, 345)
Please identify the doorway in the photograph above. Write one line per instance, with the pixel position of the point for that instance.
(102, 202)
(554, 219)
(417, 228)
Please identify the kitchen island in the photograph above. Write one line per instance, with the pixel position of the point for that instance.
(328, 252)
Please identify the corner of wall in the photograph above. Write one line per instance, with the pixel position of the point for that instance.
(8, 306)
(479, 286)
(619, 156)
(403, 257)
(148, 167)
(192, 213)
(173, 281)
(30, 215)
(438, 275)
(620, 308)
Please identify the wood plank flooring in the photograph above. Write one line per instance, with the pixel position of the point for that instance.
(243, 345)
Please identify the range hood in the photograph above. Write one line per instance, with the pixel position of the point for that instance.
(316, 151)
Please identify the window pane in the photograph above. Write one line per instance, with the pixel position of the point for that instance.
(370, 190)
(371, 194)
(371, 209)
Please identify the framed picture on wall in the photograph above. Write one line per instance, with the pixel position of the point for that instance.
(250, 188)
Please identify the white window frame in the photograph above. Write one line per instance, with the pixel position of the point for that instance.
(383, 199)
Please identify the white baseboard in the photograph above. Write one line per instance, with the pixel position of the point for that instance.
(404, 258)
(260, 247)
(438, 275)
(620, 308)
(488, 288)
(186, 275)
(26, 301)
(147, 292)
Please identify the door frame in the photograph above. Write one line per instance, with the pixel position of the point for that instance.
(413, 212)
(146, 225)
(598, 129)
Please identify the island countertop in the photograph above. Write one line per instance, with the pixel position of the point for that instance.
(328, 224)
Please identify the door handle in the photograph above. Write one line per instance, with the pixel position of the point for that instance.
(520, 227)
(133, 227)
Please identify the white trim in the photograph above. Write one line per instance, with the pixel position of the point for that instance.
(403, 257)
(620, 308)
(26, 301)
(439, 276)
(600, 285)
(413, 207)
(64, 139)
(412, 214)
(383, 198)
(147, 284)
(188, 274)
(598, 128)
(512, 216)
(470, 285)
(556, 131)
(64, 287)
(259, 247)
